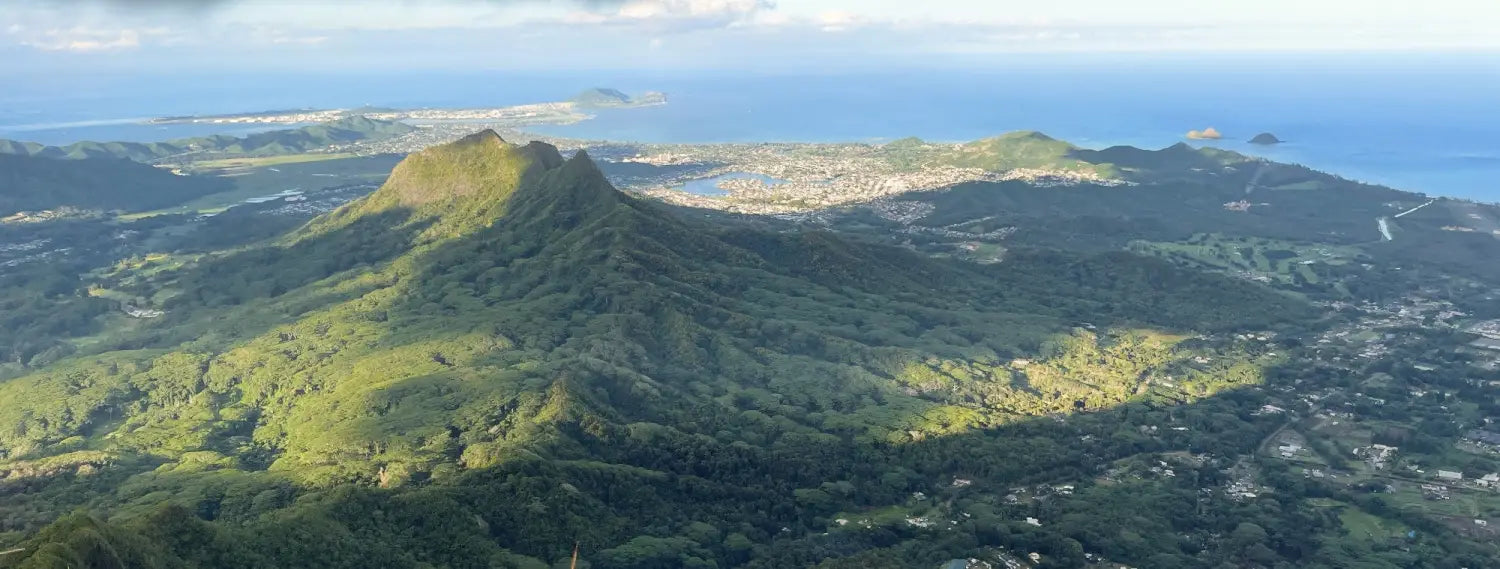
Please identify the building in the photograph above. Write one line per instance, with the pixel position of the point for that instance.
(1450, 475)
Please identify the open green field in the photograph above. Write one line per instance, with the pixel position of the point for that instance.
(1462, 503)
(1361, 524)
(1284, 261)
(234, 166)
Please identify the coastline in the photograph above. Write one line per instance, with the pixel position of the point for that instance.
(563, 112)
(1423, 170)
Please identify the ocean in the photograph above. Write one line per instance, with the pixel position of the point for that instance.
(1409, 123)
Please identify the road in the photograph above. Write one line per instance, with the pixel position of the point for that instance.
(1414, 210)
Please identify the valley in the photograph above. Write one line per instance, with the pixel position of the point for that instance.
(430, 347)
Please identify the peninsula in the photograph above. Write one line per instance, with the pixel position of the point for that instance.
(557, 112)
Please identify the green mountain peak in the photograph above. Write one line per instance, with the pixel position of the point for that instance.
(1019, 135)
(486, 136)
(473, 182)
(481, 165)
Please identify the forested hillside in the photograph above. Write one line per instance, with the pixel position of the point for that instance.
(497, 355)
(33, 184)
(272, 143)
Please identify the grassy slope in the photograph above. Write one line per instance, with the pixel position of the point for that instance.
(1023, 149)
(1034, 150)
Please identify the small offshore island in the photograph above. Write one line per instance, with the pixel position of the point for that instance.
(1265, 138)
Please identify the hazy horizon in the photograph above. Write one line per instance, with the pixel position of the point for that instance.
(246, 35)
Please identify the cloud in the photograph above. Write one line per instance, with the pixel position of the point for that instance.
(297, 40)
(675, 15)
(200, 5)
(84, 40)
(839, 20)
(658, 33)
(209, 18)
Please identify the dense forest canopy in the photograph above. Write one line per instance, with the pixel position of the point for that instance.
(34, 184)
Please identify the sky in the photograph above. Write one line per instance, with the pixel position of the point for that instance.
(61, 36)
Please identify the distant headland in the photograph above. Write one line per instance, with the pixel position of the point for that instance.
(559, 112)
(603, 97)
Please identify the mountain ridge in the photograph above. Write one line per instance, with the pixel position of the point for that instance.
(271, 143)
(473, 182)
(606, 98)
(33, 183)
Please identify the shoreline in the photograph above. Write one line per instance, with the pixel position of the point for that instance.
(563, 112)
(535, 119)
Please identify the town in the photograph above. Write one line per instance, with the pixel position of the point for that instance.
(563, 112)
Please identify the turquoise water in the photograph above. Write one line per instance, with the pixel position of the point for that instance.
(1422, 125)
(710, 186)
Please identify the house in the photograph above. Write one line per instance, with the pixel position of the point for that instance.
(1450, 475)
(1269, 410)
(1492, 479)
